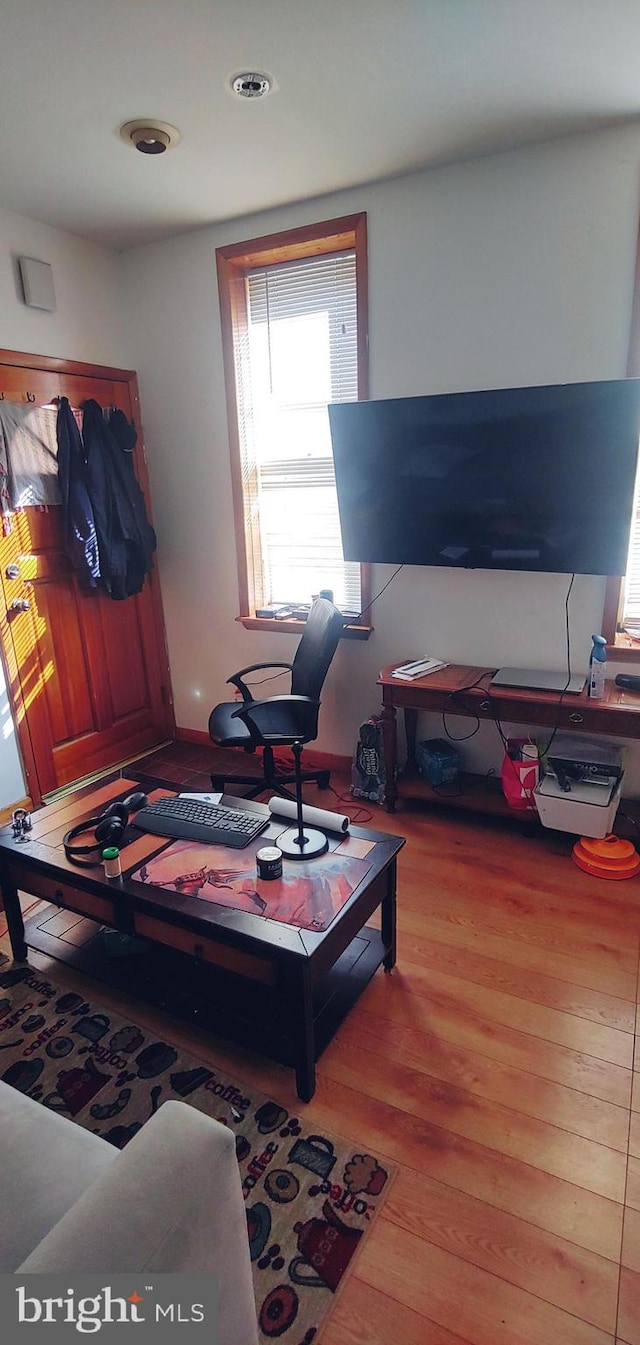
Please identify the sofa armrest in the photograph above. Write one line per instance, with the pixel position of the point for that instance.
(172, 1201)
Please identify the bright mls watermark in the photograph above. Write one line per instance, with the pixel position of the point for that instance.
(147, 1307)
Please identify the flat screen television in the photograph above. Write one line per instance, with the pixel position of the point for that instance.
(538, 478)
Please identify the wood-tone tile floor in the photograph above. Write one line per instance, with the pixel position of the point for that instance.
(495, 1065)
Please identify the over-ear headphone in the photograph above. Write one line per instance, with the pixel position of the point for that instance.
(110, 827)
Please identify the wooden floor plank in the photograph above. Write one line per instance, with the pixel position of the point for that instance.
(477, 969)
(365, 1316)
(552, 1024)
(488, 1310)
(583, 941)
(519, 1089)
(523, 1050)
(631, 1240)
(634, 1134)
(573, 1213)
(632, 1195)
(613, 973)
(470, 888)
(629, 1312)
(598, 945)
(583, 1162)
(575, 1280)
(635, 1091)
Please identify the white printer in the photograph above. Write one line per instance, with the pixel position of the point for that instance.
(573, 760)
(581, 789)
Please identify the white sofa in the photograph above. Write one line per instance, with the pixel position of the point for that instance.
(170, 1201)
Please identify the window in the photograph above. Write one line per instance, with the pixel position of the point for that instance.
(630, 604)
(293, 311)
(621, 622)
(621, 619)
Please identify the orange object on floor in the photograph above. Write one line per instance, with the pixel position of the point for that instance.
(609, 857)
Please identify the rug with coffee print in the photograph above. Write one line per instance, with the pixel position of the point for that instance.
(310, 1198)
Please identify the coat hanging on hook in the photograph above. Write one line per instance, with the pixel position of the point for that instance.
(126, 540)
(78, 522)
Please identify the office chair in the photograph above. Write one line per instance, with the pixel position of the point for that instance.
(280, 721)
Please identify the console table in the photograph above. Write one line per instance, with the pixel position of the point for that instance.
(466, 691)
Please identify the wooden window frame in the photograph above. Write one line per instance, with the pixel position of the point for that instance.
(233, 262)
(621, 646)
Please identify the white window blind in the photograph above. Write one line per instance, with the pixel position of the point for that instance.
(301, 354)
(631, 585)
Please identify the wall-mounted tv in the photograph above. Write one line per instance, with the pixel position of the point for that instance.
(536, 478)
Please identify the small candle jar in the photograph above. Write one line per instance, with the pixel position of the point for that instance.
(269, 862)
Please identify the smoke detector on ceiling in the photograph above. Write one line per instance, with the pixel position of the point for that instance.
(150, 137)
(250, 84)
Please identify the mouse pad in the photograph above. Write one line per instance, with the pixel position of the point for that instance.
(308, 895)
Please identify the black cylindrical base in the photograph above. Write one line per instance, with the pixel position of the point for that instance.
(314, 843)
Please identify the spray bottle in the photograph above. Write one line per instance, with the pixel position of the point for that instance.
(597, 666)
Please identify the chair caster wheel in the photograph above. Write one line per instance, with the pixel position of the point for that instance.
(323, 780)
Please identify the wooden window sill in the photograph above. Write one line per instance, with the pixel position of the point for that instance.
(290, 627)
(624, 649)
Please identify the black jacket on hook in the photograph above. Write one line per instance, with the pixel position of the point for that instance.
(126, 539)
(124, 438)
(78, 522)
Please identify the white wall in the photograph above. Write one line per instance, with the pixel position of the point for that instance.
(514, 269)
(88, 324)
(12, 786)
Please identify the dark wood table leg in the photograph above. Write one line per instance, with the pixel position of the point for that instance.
(305, 1043)
(390, 742)
(388, 921)
(15, 923)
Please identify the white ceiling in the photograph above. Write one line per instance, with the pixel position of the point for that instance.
(366, 89)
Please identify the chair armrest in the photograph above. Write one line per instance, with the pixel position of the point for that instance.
(236, 678)
(260, 718)
(171, 1201)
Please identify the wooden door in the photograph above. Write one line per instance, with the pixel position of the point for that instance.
(88, 675)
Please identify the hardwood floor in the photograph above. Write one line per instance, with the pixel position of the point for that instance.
(495, 1065)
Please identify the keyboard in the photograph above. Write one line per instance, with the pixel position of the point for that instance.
(191, 820)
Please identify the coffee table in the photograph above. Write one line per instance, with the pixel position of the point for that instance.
(273, 987)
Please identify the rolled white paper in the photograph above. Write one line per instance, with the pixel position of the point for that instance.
(313, 817)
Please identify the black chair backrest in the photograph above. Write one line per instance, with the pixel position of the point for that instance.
(317, 647)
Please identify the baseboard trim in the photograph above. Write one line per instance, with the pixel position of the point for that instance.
(312, 760)
(193, 736)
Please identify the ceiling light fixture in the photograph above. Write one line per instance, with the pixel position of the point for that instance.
(250, 84)
(149, 137)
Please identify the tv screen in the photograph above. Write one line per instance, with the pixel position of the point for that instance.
(538, 478)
